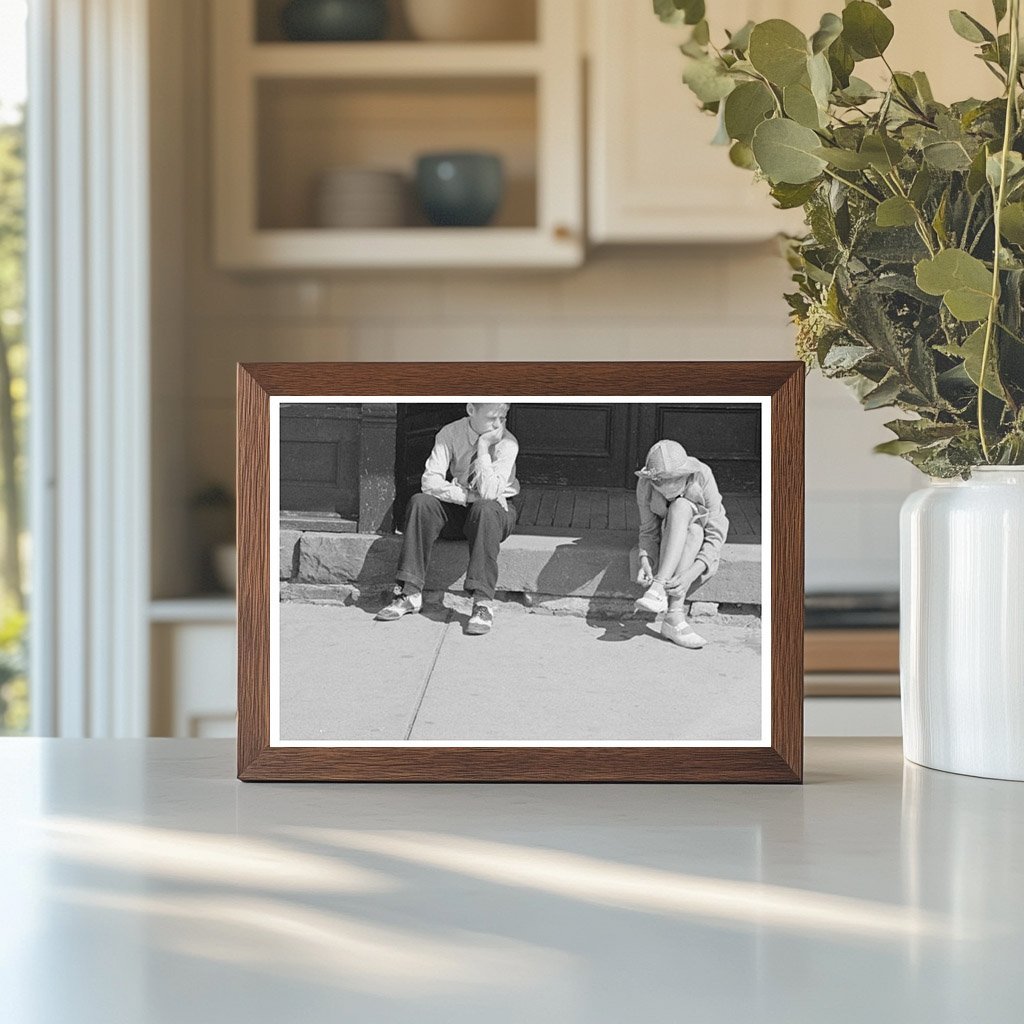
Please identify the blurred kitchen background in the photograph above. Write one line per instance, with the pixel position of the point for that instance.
(286, 217)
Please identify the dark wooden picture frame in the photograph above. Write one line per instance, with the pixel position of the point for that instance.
(781, 761)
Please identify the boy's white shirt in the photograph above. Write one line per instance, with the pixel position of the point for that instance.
(453, 451)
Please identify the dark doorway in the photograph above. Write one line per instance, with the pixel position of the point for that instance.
(565, 443)
(594, 445)
(418, 422)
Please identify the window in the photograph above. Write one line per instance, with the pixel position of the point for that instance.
(14, 548)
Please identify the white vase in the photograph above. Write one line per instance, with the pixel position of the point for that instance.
(962, 624)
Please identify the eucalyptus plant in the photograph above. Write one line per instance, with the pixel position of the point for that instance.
(910, 278)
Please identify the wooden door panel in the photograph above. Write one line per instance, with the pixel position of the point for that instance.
(725, 436)
(320, 458)
(576, 444)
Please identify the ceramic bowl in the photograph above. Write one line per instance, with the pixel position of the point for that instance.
(334, 20)
(461, 189)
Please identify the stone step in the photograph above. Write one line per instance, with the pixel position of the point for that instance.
(590, 564)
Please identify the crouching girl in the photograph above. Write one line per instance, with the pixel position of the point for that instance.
(682, 529)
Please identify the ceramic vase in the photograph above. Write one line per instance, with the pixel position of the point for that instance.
(460, 189)
(962, 624)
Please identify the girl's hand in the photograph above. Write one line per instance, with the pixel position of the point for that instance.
(645, 577)
(677, 586)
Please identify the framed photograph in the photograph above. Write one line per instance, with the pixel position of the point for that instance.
(521, 572)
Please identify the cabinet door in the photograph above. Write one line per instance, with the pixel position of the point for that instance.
(654, 175)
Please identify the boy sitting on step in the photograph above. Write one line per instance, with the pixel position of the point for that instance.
(478, 454)
(682, 529)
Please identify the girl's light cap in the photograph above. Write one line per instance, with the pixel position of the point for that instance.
(667, 459)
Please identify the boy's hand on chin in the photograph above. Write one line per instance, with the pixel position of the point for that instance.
(491, 437)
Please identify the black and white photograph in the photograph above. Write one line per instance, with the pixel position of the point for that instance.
(482, 570)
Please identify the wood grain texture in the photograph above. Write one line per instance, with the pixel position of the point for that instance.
(781, 762)
(252, 486)
(787, 546)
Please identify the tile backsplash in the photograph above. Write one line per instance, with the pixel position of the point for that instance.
(717, 302)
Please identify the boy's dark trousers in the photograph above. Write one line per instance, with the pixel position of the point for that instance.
(485, 524)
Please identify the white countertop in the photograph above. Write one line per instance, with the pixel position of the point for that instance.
(142, 884)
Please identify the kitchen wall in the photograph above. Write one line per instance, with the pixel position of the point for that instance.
(706, 302)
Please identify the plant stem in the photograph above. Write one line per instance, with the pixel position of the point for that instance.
(922, 225)
(993, 309)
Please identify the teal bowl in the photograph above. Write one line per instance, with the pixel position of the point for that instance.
(462, 190)
(334, 21)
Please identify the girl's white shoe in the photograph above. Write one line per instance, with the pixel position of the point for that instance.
(683, 634)
(654, 600)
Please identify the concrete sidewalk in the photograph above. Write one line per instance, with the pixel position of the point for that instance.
(345, 676)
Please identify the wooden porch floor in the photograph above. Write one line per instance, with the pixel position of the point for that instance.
(614, 508)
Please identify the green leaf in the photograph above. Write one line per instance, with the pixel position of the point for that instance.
(999, 6)
(968, 28)
(789, 197)
(739, 41)
(866, 29)
(923, 431)
(885, 394)
(963, 281)
(800, 105)
(708, 81)
(745, 108)
(976, 174)
(785, 152)
(994, 167)
(1012, 224)
(676, 12)
(971, 352)
(844, 159)
(883, 153)
(701, 33)
(858, 91)
(820, 76)
(830, 28)
(924, 88)
(742, 155)
(939, 220)
(778, 50)
(921, 185)
(896, 212)
(841, 60)
(947, 156)
(895, 447)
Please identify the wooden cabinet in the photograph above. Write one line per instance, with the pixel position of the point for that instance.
(653, 175)
(285, 114)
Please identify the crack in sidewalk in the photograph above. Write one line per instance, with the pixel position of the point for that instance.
(429, 673)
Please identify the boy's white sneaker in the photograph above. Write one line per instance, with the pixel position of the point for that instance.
(683, 634)
(654, 600)
(403, 604)
(480, 621)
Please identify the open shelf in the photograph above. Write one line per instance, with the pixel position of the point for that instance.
(286, 114)
(393, 60)
(308, 127)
